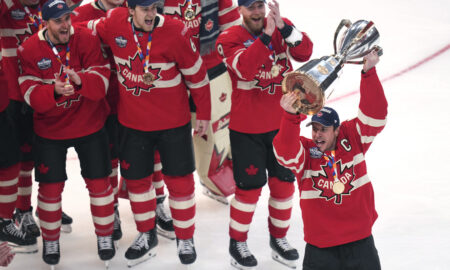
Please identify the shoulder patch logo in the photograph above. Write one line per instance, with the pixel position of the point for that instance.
(44, 64)
(121, 42)
(248, 42)
(314, 152)
(17, 14)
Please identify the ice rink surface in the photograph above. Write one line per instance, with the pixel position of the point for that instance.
(408, 163)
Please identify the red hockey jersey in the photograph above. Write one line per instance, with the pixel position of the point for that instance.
(81, 16)
(175, 64)
(255, 101)
(4, 99)
(228, 16)
(334, 219)
(15, 27)
(65, 117)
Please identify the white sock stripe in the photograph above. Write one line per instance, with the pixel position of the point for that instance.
(245, 207)
(144, 216)
(8, 198)
(50, 225)
(8, 183)
(141, 197)
(101, 201)
(103, 220)
(280, 205)
(25, 173)
(24, 191)
(183, 224)
(158, 184)
(114, 172)
(280, 223)
(239, 226)
(51, 207)
(157, 167)
(115, 190)
(180, 205)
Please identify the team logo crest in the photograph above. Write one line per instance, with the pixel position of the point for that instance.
(121, 42)
(68, 101)
(131, 76)
(17, 14)
(324, 181)
(209, 25)
(44, 64)
(266, 81)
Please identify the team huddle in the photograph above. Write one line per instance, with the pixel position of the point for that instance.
(125, 82)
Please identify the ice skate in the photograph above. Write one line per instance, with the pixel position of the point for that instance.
(215, 196)
(106, 249)
(241, 257)
(25, 222)
(186, 251)
(143, 248)
(50, 253)
(20, 242)
(283, 253)
(66, 223)
(117, 231)
(164, 222)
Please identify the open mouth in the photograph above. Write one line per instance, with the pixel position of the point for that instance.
(319, 143)
(148, 22)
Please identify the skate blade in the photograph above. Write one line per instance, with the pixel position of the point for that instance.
(215, 197)
(239, 266)
(167, 234)
(52, 267)
(66, 228)
(23, 249)
(150, 254)
(289, 263)
(107, 263)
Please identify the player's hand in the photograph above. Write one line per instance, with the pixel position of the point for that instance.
(370, 60)
(270, 26)
(64, 89)
(274, 8)
(6, 254)
(287, 100)
(201, 126)
(73, 76)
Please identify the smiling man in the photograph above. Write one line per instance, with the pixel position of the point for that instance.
(336, 195)
(156, 63)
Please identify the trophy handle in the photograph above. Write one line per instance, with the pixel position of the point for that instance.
(345, 22)
(377, 48)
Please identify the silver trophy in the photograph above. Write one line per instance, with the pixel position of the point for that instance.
(311, 80)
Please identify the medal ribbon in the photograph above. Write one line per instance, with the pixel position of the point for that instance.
(189, 3)
(332, 164)
(37, 24)
(55, 52)
(149, 45)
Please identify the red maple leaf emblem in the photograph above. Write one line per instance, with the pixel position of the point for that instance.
(124, 165)
(131, 75)
(252, 170)
(26, 148)
(264, 77)
(68, 101)
(42, 169)
(223, 97)
(209, 25)
(28, 31)
(324, 181)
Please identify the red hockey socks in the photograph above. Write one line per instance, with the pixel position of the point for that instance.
(114, 180)
(280, 206)
(102, 205)
(143, 202)
(242, 208)
(49, 209)
(25, 186)
(182, 204)
(9, 178)
(157, 178)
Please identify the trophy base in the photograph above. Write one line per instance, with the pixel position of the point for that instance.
(310, 97)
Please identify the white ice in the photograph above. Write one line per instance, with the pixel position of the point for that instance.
(408, 163)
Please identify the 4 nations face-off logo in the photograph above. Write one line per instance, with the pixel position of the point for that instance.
(323, 183)
(131, 76)
(266, 81)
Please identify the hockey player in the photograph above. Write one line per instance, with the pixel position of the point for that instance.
(64, 79)
(19, 19)
(257, 54)
(206, 19)
(156, 62)
(336, 195)
(84, 14)
(9, 174)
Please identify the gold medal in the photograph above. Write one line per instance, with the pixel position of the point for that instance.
(338, 187)
(67, 86)
(189, 14)
(275, 71)
(148, 78)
